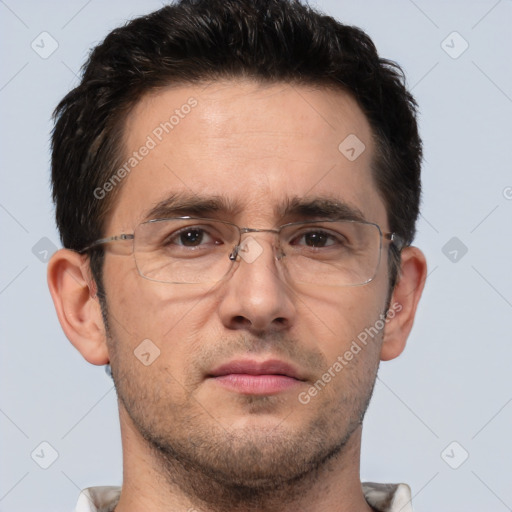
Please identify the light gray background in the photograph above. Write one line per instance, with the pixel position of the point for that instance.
(453, 382)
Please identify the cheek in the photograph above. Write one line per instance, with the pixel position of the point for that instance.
(338, 316)
(171, 316)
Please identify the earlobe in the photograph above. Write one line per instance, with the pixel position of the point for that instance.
(404, 301)
(74, 295)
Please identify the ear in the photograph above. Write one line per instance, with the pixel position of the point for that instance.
(74, 296)
(404, 300)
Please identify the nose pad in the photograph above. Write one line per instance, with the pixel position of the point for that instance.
(234, 253)
(280, 254)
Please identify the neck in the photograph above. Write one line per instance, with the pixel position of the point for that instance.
(158, 482)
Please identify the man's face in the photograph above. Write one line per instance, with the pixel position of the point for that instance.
(258, 147)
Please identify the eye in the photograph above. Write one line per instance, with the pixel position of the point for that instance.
(317, 239)
(191, 236)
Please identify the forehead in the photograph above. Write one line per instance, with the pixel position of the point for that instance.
(257, 146)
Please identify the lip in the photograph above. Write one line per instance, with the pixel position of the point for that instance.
(256, 377)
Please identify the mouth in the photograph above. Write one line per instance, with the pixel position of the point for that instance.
(251, 377)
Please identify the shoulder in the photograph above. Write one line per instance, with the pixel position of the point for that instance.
(388, 497)
(98, 499)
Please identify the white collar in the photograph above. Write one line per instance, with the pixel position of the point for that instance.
(383, 497)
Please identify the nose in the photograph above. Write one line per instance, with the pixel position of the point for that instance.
(256, 296)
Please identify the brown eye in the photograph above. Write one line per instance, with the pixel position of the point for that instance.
(316, 239)
(191, 237)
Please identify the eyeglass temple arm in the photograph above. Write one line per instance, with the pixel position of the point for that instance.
(395, 239)
(107, 240)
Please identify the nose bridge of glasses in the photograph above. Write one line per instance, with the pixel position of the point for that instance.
(258, 230)
(250, 231)
(249, 248)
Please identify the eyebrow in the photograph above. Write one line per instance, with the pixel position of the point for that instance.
(195, 205)
(323, 207)
(184, 203)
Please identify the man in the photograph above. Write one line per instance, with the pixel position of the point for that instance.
(237, 184)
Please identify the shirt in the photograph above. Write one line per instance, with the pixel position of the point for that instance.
(382, 497)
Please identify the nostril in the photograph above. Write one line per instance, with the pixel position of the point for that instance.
(240, 320)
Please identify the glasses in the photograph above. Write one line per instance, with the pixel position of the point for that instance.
(193, 250)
